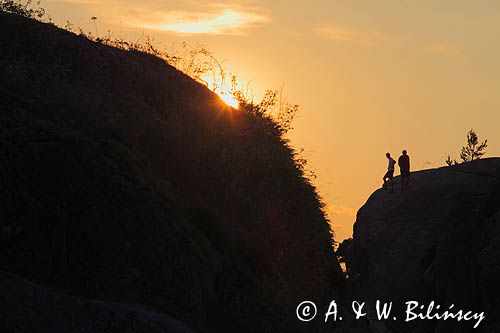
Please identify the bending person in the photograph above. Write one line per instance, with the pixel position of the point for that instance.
(389, 175)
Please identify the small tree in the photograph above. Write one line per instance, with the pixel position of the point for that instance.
(473, 150)
(450, 161)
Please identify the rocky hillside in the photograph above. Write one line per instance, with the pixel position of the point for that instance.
(123, 181)
(439, 240)
(28, 307)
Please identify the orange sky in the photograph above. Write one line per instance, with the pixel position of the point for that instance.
(369, 76)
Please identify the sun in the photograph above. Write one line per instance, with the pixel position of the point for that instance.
(229, 99)
(222, 89)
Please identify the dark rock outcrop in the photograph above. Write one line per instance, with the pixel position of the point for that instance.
(124, 180)
(27, 307)
(439, 240)
(80, 216)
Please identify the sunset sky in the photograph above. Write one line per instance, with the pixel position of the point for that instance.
(369, 76)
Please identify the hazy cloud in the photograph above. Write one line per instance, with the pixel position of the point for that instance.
(441, 48)
(370, 37)
(344, 210)
(222, 21)
(354, 36)
(187, 17)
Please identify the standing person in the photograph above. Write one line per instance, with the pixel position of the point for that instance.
(404, 167)
(390, 172)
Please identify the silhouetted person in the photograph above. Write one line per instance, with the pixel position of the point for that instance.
(404, 167)
(389, 175)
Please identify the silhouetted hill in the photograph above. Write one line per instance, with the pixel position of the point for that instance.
(439, 240)
(123, 180)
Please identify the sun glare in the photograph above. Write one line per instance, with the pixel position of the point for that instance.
(229, 100)
(222, 90)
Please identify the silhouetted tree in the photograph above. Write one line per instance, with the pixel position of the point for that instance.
(473, 150)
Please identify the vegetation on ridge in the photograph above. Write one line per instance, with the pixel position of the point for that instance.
(470, 152)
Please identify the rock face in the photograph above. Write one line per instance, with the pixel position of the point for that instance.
(27, 307)
(439, 240)
(79, 216)
(124, 180)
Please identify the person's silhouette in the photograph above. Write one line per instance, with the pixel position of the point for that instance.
(389, 175)
(404, 167)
